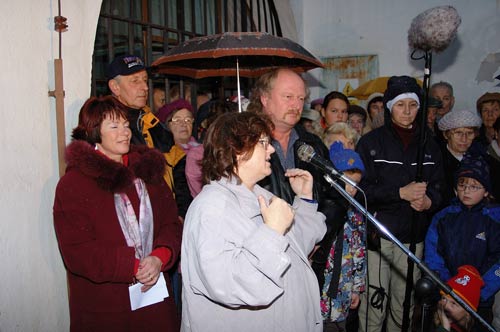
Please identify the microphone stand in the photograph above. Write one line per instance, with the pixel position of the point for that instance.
(418, 178)
(420, 264)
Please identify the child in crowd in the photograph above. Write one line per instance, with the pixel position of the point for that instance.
(449, 315)
(345, 266)
(468, 231)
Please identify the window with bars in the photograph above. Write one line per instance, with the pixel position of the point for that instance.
(148, 28)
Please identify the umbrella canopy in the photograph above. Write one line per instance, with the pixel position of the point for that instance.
(217, 55)
(378, 84)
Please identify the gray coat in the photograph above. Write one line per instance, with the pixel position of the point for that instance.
(239, 274)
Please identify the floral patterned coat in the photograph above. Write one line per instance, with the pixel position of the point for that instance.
(353, 269)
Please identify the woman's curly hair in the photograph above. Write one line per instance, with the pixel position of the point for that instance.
(230, 136)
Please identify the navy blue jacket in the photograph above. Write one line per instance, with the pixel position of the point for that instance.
(461, 236)
(388, 168)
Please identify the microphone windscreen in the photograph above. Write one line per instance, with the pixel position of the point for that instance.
(305, 152)
(434, 29)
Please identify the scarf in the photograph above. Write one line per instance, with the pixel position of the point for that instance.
(137, 233)
(189, 145)
(405, 134)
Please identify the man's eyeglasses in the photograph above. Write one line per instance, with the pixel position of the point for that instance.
(178, 121)
(264, 142)
(471, 188)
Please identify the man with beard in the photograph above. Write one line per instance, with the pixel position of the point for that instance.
(280, 95)
(128, 82)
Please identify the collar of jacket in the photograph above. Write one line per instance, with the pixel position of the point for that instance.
(144, 163)
(478, 207)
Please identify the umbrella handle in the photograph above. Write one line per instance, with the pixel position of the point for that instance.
(238, 84)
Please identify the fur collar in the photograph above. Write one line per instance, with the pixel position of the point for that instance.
(144, 163)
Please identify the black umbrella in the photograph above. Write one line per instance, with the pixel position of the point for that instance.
(216, 55)
(247, 54)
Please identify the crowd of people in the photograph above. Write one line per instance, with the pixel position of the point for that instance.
(174, 217)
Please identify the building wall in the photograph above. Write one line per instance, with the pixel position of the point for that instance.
(33, 291)
(352, 27)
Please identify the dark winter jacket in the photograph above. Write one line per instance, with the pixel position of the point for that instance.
(450, 166)
(461, 236)
(388, 168)
(148, 130)
(327, 197)
(99, 263)
(494, 163)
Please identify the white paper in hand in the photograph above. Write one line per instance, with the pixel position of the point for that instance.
(155, 294)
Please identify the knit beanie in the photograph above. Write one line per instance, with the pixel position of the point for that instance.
(467, 284)
(474, 166)
(401, 85)
(345, 159)
(459, 119)
(167, 109)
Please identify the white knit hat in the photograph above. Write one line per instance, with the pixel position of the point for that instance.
(459, 119)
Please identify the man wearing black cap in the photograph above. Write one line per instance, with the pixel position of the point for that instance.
(128, 82)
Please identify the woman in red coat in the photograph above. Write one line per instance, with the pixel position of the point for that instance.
(116, 224)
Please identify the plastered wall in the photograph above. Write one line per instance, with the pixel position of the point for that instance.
(350, 27)
(33, 293)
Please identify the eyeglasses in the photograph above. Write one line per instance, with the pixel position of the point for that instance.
(264, 142)
(471, 188)
(461, 134)
(178, 121)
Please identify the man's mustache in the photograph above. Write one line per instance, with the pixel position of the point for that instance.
(293, 112)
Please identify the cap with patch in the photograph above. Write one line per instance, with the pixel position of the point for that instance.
(467, 284)
(345, 159)
(125, 65)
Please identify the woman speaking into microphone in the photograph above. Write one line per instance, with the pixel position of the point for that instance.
(244, 251)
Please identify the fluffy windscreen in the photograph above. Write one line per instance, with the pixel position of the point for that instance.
(434, 29)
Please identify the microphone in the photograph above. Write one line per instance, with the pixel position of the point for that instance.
(434, 29)
(307, 153)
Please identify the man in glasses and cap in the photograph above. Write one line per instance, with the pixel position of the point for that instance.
(128, 82)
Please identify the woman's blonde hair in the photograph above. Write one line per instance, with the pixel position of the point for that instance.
(341, 128)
